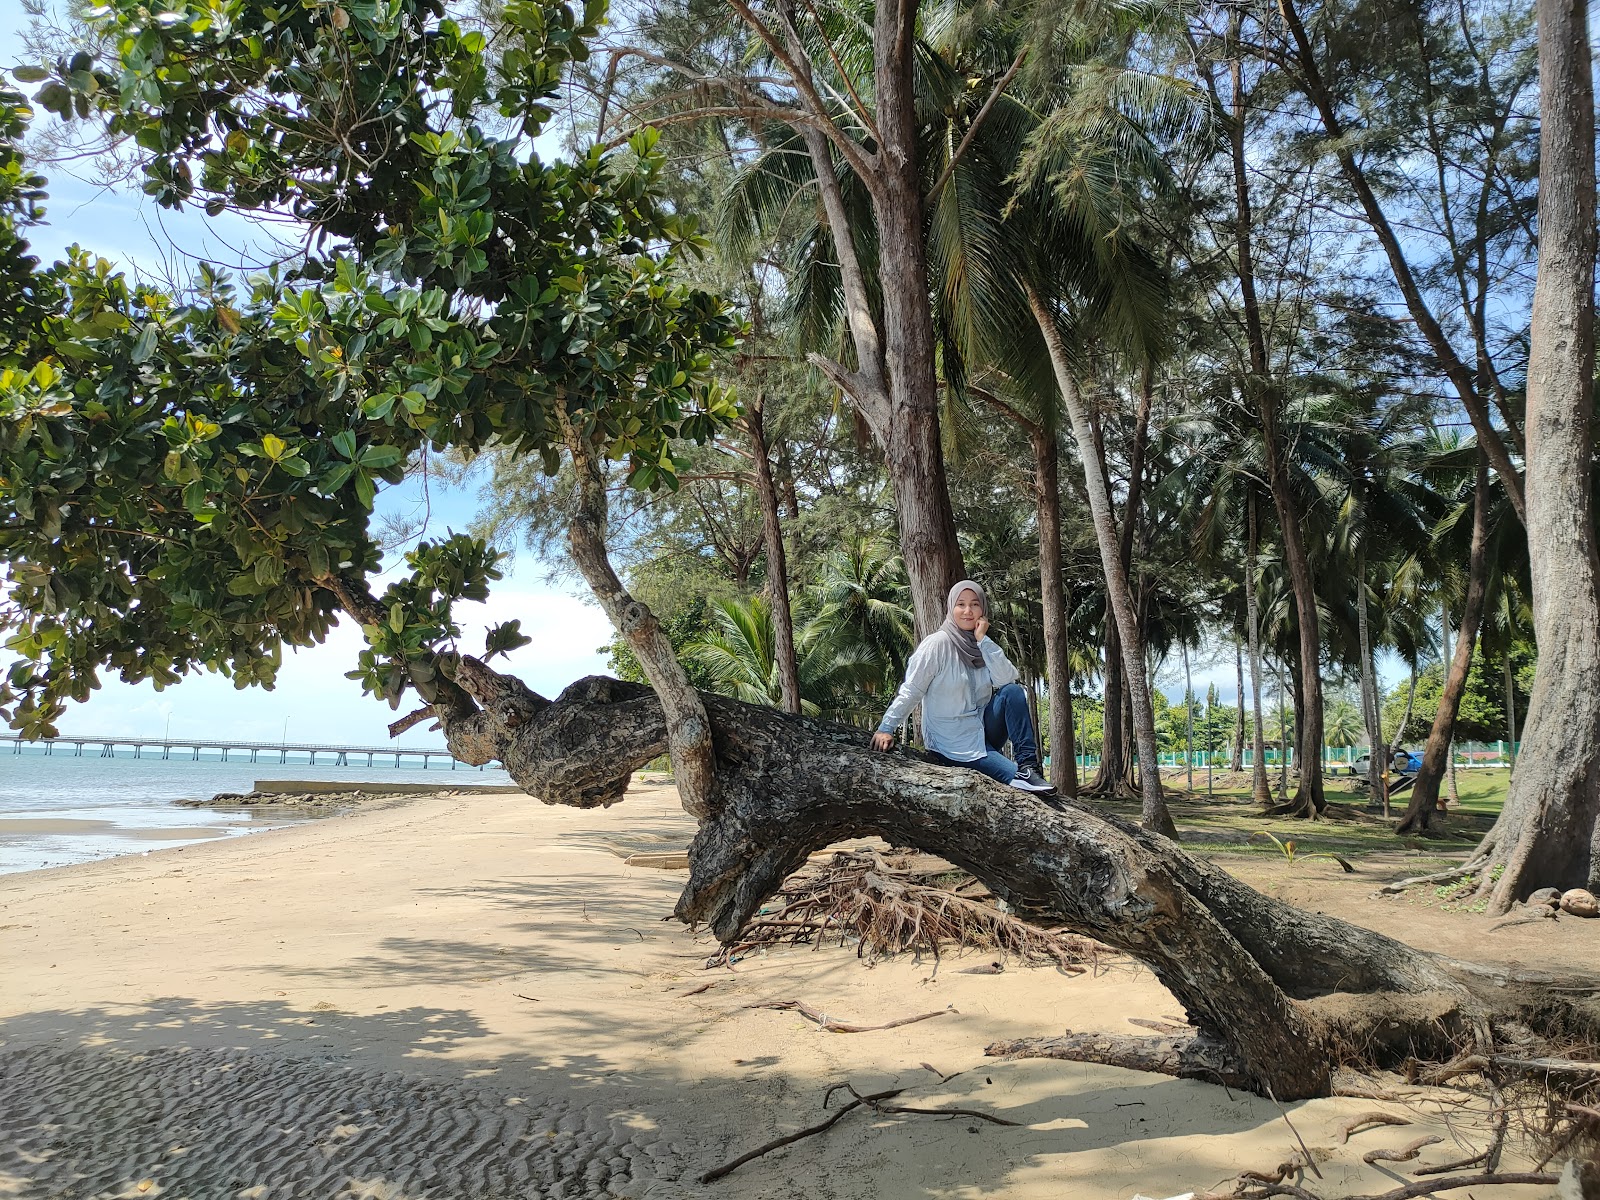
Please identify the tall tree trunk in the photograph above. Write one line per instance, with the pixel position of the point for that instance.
(1308, 801)
(1112, 778)
(1261, 786)
(1425, 792)
(1377, 763)
(1188, 720)
(1405, 717)
(1236, 761)
(777, 559)
(1511, 710)
(912, 450)
(1446, 656)
(1053, 603)
(1459, 374)
(894, 384)
(1283, 735)
(1153, 815)
(1548, 834)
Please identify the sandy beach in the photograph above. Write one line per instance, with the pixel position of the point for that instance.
(476, 997)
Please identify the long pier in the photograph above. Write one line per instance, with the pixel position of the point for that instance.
(341, 755)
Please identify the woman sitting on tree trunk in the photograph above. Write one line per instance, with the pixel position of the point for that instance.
(971, 701)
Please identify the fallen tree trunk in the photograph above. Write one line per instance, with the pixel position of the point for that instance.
(1278, 996)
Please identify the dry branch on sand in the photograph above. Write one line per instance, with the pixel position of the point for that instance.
(887, 904)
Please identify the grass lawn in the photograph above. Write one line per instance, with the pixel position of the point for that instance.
(1227, 822)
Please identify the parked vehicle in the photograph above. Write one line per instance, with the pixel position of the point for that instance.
(1407, 761)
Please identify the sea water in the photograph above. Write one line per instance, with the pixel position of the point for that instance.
(59, 809)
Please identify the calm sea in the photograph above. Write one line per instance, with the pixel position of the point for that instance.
(58, 809)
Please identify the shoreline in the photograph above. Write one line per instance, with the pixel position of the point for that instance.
(476, 996)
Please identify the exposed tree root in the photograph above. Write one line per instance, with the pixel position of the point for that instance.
(889, 904)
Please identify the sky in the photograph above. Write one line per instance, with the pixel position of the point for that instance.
(312, 699)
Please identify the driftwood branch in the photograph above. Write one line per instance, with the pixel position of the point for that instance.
(832, 1026)
(1371, 1119)
(1405, 1154)
(726, 1168)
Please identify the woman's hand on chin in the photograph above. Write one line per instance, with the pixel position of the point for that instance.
(981, 628)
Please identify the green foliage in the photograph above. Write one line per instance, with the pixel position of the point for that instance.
(187, 477)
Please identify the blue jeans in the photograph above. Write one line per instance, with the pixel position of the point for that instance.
(1005, 718)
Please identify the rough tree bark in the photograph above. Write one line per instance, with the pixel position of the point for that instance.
(1276, 995)
(1154, 814)
(1425, 792)
(1548, 834)
(777, 559)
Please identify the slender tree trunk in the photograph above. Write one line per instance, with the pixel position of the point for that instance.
(1309, 801)
(1405, 719)
(1377, 764)
(894, 384)
(1154, 815)
(777, 559)
(1112, 777)
(1425, 792)
(1511, 710)
(1236, 761)
(1446, 655)
(1261, 786)
(688, 730)
(1459, 374)
(1188, 720)
(1053, 603)
(1548, 834)
(1283, 736)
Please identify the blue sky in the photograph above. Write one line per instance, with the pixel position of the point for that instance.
(312, 696)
